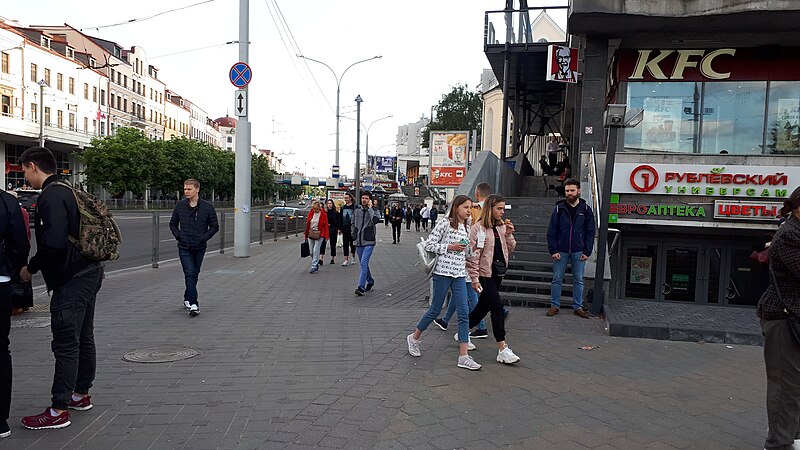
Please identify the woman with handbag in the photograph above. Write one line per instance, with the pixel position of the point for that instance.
(779, 311)
(316, 231)
(449, 241)
(334, 229)
(492, 241)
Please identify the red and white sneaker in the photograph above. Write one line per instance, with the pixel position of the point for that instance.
(83, 404)
(45, 421)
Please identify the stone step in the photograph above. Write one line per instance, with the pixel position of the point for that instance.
(533, 256)
(540, 245)
(518, 299)
(536, 266)
(535, 275)
(533, 287)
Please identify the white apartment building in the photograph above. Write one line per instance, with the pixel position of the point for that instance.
(71, 104)
(412, 159)
(202, 128)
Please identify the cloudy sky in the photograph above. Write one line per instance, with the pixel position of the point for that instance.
(427, 46)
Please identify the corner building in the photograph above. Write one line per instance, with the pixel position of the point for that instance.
(701, 178)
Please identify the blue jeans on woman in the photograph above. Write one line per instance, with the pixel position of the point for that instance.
(472, 300)
(458, 287)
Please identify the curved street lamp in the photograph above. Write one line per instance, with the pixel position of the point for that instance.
(338, 91)
(366, 146)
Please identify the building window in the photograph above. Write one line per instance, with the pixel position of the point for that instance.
(94, 94)
(34, 112)
(59, 82)
(60, 118)
(783, 121)
(72, 85)
(111, 99)
(733, 117)
(6, 105)
(4, 64)
(119, 102)
(230, 139)
(47, 76)
(47, 115)
(72, 121)
(34, 72)
(45, 42)
(102, 97)
(70, 53)
(125, 105)
(125, 77)
(111, 72)
(86, 91)
(86, 125)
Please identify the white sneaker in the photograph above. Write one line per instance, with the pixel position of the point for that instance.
(345, 263)
(186, 304)
(466, 362)
(470, 345)
(506, 356)
(352, 263)
(194, 310)
(413, 346)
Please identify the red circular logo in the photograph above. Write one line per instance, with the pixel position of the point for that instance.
(644, 178)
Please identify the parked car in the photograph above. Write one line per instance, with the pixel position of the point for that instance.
(302, 203)
(28, 199)
(278, 216)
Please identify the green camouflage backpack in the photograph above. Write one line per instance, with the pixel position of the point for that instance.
(98, 233)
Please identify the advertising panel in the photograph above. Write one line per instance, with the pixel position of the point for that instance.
(448, 157)
(661, 125)
(562, 64)
(385, 164)
(707, 180)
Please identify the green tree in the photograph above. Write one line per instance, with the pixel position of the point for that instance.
(459, 109)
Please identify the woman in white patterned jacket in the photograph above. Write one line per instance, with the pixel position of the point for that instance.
(449, 240)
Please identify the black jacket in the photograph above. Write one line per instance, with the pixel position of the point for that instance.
(15, 247)
(784, 258)
(334, 220)
(193, 227)
(57, 218)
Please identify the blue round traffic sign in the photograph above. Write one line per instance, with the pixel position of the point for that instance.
(240, 74)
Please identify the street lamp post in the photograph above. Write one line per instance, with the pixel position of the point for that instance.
(42, 85)
(338, 91)
(366, 144)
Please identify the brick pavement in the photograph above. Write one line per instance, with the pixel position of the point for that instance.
(293, 360)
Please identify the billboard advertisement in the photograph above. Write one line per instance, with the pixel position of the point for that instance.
(562, 64)
(384, 164)
(448, 157)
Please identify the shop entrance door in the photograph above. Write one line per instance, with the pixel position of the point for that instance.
(680, 274)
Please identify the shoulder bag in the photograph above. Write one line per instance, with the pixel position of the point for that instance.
(427, 260)
(794, 322)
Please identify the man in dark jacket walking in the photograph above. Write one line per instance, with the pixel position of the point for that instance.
(364, 237)
(74, 281)
(397, 215)
(14, 248)
(570, 239)
(193, 223)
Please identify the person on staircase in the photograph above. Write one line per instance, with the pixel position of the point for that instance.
(570, 239)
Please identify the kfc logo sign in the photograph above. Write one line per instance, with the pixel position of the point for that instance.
(644, 178)
(701, 59)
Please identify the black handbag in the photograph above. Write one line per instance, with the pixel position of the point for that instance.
(21, 294)
(305, 250)
(794, 321)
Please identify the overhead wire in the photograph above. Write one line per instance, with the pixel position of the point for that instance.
(152, 16)
(196, 49)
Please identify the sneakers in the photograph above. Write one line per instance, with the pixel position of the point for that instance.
(466, 362)
(360, 292)
(353, 263)
(332, 261)
(413, 346)
(5, 431)
(470, 345)
(506, 356)
(506, 312)
(441, 324)
(314, 269)
(46, 421)
(194, 310)
(83, 404)
(369, 286)
(186, 304)
(344, 264)
(581, 313)
(478, 334)
(552, 311)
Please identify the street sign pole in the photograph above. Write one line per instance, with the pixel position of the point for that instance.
(241, 212)
(358, 151)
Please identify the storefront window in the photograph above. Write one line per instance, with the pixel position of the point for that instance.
(748, 279)
(733, 117)
(680, 279)
(640, 273)
(670, 120)
(783, 117)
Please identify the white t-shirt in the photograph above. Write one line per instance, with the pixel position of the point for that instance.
(448, 264)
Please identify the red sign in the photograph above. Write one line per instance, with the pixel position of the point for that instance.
(746, 210)
(644, 178)
(447, 176)
(562, 64)
(733, 64)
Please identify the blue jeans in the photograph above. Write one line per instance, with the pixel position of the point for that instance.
(191, 260)
(315, 245)
(364, 254)
(559, 267)
(472, 300)
(458, 287)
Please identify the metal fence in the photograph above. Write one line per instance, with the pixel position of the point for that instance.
(123, 203)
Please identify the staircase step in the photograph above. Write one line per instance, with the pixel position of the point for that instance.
(517, 299)
(536, 266)
(534, 256)
(535, 275)
(533, 287)
(532, 245)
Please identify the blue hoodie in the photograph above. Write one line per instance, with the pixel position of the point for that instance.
(565, 236)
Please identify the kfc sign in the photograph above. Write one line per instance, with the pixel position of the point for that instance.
(705, 180)
(682, 60)
(562, 64)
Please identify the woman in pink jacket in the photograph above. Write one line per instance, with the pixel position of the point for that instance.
(492, 241)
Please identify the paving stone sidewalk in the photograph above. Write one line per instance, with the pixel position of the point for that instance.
(294, 360)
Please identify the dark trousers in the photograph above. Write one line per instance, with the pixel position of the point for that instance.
(72, 324)
(408, 224)
(489, 302)
(551, 158)
(5, 353)
(396, 227)
(782, 360)
(191, 260)
(416, 222)
(347, 243)
(332, 240)
(425, 223)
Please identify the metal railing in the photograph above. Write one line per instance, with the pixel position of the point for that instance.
(519, 26)
(596, 196)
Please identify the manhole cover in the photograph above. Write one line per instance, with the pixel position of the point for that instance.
(160, 354)
(31, 322)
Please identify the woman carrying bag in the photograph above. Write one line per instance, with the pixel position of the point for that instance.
(492, 241)
(449, 241)
(334, 229)
(316, 231)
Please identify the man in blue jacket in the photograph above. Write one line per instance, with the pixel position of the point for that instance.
(570, 239)
(193, 223)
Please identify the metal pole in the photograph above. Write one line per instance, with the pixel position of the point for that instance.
(241, 209)
(287, 223)
(338, 92)
(358, 151)
(222, 233)
(602, 237)
(41, 114)
(260, 229)
(156, 220)
(275, 227)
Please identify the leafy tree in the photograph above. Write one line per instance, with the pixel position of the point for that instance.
(459, 109)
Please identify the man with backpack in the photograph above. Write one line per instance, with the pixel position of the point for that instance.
(193, 223)
(14, 248)
(74, 281)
